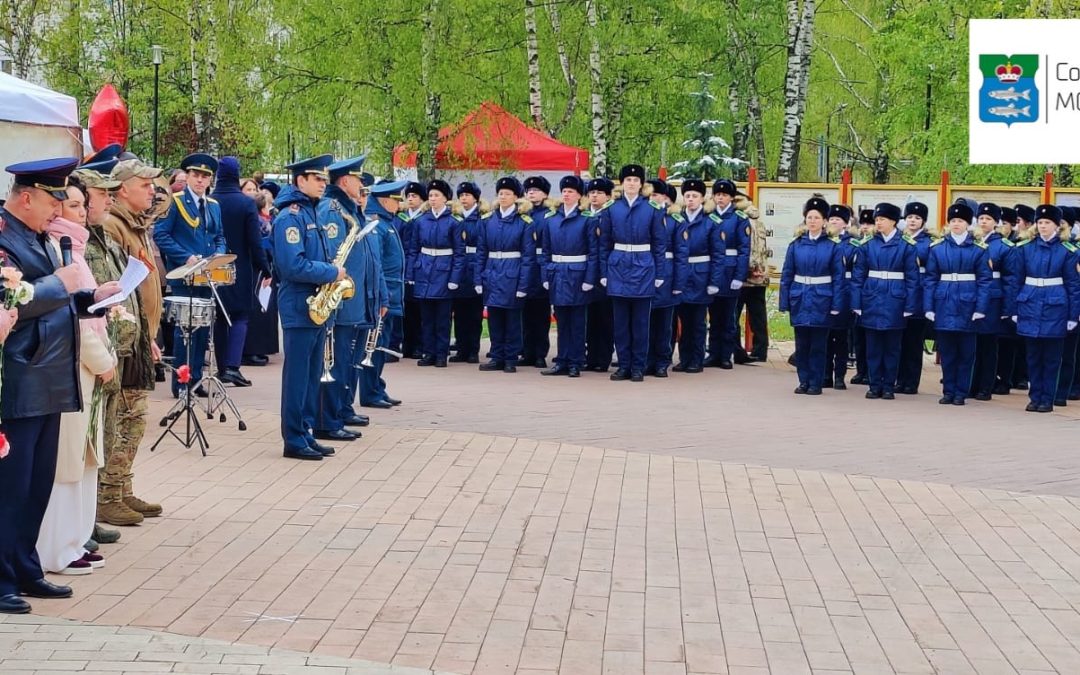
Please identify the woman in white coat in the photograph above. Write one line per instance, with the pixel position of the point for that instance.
(69, 518)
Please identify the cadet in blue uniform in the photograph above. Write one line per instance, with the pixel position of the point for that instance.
(599, 333)
(956, 298)
(699, 277)
(468, 306)
(632, 247)
(338, 213)
(858, 334)
(303, 260)
(536, 311)
(836, 352)
(1007, 339)
(883, 291)
(915, 330)
(191, 230)
(999, 255)
(813, 290)
(505, 255)
(570, 263)
(383, 204)
(411, 337)
(437, 251)
(734, 229)
(667, 296)
(1047, 304)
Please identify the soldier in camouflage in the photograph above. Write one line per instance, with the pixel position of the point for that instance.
(752, 294)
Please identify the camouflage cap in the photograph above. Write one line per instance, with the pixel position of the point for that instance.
(133, 168)
(93, 179)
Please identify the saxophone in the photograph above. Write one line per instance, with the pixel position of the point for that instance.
(329, 296)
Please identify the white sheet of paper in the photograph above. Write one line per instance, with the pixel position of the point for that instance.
(133, 275)
(264, 297)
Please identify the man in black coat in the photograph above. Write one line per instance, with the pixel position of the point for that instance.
(40, 364)
(240, 222)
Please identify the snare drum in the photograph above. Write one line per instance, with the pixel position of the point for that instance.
(193, 312)
(222, 276)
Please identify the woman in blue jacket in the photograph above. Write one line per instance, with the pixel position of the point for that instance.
(813, 290)
(438, 254)
(956, 298)
(699, 276)
(468, 304)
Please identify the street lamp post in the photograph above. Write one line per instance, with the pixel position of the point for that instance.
(156, 49)
(828, 138)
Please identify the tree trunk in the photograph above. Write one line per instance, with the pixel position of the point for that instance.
(196, 81)
(599, 115)
(21, 17)
(622, 81)
(532, 53)
(213, 140)
(739, 124)
(799, 40)
(564, 64)
(425, 157)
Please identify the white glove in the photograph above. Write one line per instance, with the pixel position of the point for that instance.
(858, 312)
(603, 282)
(907, 314)
(1071, 325)
(547, 286)
(659, 283)
(1014, 319)
(586, 287)
(411, 283)
(712, 290)
(452, 286)
(976, 316)
(736, 285)
(676, 292)
(931, 315)
(834, 312)
(519, 294)
(479, 289)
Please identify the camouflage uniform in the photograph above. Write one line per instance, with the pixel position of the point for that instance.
(752, 295)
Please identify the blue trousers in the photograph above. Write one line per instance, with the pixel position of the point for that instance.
(536, 328)
(229, 340)
(692, 335)
(1044, 363)
(723, 329)
(911, 353)
(26, 481)
(504, 328)
(957, 351)
(300, 374)
(660, 347)
(335, 398)
(372, 384)
(599, 339)
(986, 356)
(468, 324)
(435, 327)
(571, 322)
(883, 357)
(631, 323)
(811, 348)
(1068, 366)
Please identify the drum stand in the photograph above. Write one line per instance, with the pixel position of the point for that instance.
(184, 406)
(216, 394)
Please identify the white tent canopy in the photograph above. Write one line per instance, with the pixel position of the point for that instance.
(35, 123)
(21, 101)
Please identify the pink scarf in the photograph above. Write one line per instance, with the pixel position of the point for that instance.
(61, 227)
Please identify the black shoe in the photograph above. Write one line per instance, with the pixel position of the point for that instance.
(540, 363)
(573, 371)
(337, 435)
(661, 371)
(813, 391)
(304, 453)
(596, 369)
(440, 363)
(620, 375)
(679, 367)
(393, 401)
(458, 358)
(510, 368)
(1022, 385)
(492, 365)
(104, 535)
(1060, 402)
(637, 376)
(324, 450)
(255, 360)
(357, 421)
(13, 604)
(908, 391)
(840, 386)
(556, 370)
(522, 362)
(711, 362)
(742, 358)
(426, 361)
(860, 379)
(958, 401)
(159, 376)
(1031, 407)
(725, 365)
(1074, 397)
(1003, 390)
(417, 354)
(234, 377)
(873, 394)
(826, 384)
(946, 400)
(982, 396)
(801, 389)
(888, 395)
(473, 358)
(44, 589)
(695, 368)
(1045, 408)
(378, 404)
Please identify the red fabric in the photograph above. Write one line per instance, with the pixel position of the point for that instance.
(108, 119)
(489, 137)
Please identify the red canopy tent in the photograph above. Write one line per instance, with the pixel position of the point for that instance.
(490, 138)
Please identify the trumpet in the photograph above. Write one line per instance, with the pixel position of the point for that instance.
(371, 345)
(328, 357)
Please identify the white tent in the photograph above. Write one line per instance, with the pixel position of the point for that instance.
(35, 123)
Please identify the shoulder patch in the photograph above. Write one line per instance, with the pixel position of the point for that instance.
(658, 207)
(982, 244)
(1007, 242)
(677, 218)
(526, 219)
(909, 239)
(936, 242)
(835, 240)
(715, 218)
(486, 215)
(1025, 242)
(550, 213)
(332, 230)
(403, 216)
(294, 208)
(292, 235)
(1069, 245)
(457, 218)
(741, 214)
(211, 200)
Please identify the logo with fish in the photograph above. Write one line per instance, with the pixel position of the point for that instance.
(1008, 93)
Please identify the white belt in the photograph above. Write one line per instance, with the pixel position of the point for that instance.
(731, 251)
(953, 276)
(504, 255)
(669, 255)
(879, 274)
(694, 259)
(1036, 281)
(922, 270)
(633, 248)
(539, 251)
(569, 258)
(997, 275)
(812, 281)
(847, 275)
(470, 249)
(437, 251)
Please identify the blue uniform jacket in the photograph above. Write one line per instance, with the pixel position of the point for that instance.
(849, 246)
(953, 301)
(884, 301)
(503, 277)
(922, 253)
(301, 256)
(391, 256)
(574, 236)
(1044, 311)
(363, 266)
(436, 248)
(704, 262)
(182, 234)
(734, 230)
(812, 283)
(539, 216)
(1000, 254)
(675, 257)
(631, 274)
(470, 224)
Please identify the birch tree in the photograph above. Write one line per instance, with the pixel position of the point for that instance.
(800, 21)
(598, 113)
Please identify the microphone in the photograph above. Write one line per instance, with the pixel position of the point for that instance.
(65, 250)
